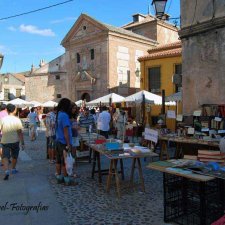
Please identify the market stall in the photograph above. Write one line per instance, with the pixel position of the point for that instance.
(79, 103)
(190, 197)
(49, 104)
(36, 103)
(106, 100)
(143, 102)
(20, 103)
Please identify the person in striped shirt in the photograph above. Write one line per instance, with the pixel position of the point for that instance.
(86, 119)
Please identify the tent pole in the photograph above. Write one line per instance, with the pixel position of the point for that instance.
(143, 109)
(163, 102)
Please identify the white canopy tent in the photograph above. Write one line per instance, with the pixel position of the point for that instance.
(79, 103)
(149, 98)
(36, 103)
(174, 97)
(114, 98)
(49, 104)
(20, 103)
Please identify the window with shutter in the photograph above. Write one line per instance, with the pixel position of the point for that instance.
(92, 54)
(178, 70)
(154, 76)
(6, 94)
(78, 58)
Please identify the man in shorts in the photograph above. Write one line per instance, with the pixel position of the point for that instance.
(12, 136)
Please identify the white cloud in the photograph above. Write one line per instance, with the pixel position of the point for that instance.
(35, 30)
(63, 20)
(12, 28)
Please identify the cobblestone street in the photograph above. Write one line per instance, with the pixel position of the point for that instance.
(88, 202)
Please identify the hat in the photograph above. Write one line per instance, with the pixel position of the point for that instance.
(10, 108)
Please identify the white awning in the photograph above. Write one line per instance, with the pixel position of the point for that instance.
(149, 97)
(36, 103)
(20, 103)
(106, 99)
(49, 104)
(79, 103)
(174, 97)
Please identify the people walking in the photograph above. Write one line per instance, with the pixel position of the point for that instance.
(12, 136)
(50, 123)
(104, 122)
(33, 121)
(63, 140)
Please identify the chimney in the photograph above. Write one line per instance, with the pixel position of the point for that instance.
(42, 63)
(138, 17)
(32, 68)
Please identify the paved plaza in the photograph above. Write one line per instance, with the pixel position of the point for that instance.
(86, 203)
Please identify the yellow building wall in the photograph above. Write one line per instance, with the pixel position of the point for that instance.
(167, 68)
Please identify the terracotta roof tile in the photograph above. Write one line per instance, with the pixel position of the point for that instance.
(162, 54)
(165, 47)
(20, 76)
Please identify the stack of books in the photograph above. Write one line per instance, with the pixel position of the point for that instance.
(211, 156)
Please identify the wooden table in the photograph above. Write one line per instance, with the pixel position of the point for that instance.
(86, 138)
(190, 196)
(163, 165)
(164, 139)
(114, 158)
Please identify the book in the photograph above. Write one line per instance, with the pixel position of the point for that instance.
(221, 156)
(212, 160)
(191, 157)
(209, 152)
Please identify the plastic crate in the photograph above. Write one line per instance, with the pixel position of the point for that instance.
(192, 203)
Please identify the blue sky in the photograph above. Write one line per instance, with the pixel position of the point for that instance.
(26, 39)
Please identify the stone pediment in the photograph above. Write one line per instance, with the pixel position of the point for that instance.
(84, 26)
(85, 29)
(84, 75)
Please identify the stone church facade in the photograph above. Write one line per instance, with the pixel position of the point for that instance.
(100, 58)
(48, 82)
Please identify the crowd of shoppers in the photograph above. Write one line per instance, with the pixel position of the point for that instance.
(63, 124)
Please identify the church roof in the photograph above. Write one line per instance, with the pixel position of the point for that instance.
(107, 27)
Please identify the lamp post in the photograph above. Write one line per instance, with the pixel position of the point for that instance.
(137, 72)
(138, 75)
(160, 6)
(1, 60)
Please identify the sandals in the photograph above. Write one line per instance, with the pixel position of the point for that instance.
(69, 182)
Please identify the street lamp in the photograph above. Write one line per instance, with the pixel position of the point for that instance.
(137, 72)
(160, 6)
(1, 60)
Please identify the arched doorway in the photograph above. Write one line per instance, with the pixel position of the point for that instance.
(86, 97)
